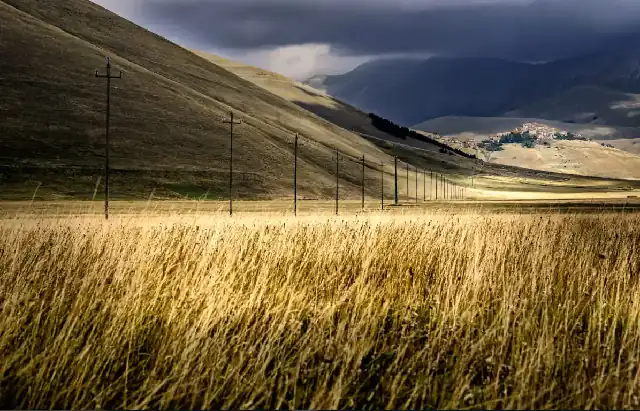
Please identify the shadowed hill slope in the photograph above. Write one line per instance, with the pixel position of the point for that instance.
(165, 111)
(316, 101)
(412, 91)
(586, 104)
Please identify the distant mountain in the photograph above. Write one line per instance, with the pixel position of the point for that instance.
(413, 91)
(586, 105)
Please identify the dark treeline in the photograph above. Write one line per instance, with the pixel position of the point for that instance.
(396, 130)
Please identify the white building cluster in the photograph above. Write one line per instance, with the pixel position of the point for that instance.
(542, 131)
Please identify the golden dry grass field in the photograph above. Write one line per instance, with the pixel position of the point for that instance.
(410, 309)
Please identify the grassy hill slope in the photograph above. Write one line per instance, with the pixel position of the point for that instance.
(352, 118)
(309, 98)
(628, 145)
(167, 137)
(574, 157)
(165, 113)
(480, 127)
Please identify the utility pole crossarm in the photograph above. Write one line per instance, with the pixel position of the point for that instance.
(337, 180)
(230, 120)
(108, 75)
(363, 175)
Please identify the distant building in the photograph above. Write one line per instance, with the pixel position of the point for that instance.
(541, 131)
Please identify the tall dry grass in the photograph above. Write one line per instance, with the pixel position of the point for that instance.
(403, 312)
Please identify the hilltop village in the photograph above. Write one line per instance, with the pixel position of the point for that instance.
(529, 135)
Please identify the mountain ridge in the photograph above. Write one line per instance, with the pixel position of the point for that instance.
(488, 87)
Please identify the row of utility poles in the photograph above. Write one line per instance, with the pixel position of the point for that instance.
(448, 190)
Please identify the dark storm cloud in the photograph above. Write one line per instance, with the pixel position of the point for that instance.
(532, 31)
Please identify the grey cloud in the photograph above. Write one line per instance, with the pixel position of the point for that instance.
(532, 31)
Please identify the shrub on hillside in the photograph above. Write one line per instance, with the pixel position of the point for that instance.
(526, 139)
(569, 136)
(402, 132)
(491, 145)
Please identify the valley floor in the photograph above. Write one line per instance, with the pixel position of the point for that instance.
(491, 202)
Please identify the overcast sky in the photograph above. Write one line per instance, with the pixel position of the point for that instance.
(300, 38)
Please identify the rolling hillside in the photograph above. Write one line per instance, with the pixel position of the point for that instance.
(166, 130)
(575, 157)
(167, 137)
(309, 98)
(353, 119)
(482, 127)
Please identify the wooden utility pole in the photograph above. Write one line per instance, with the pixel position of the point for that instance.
(337, 179)
(473, 174)
(295, 176)
(231, 122)
(107, 76)
(447, 189)
(382, 186)
(436, 186)
(424, 185)
(408, 196)
(363, 182)
(431, 187)
(395, 175)
(416, 184)
(444, 187)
